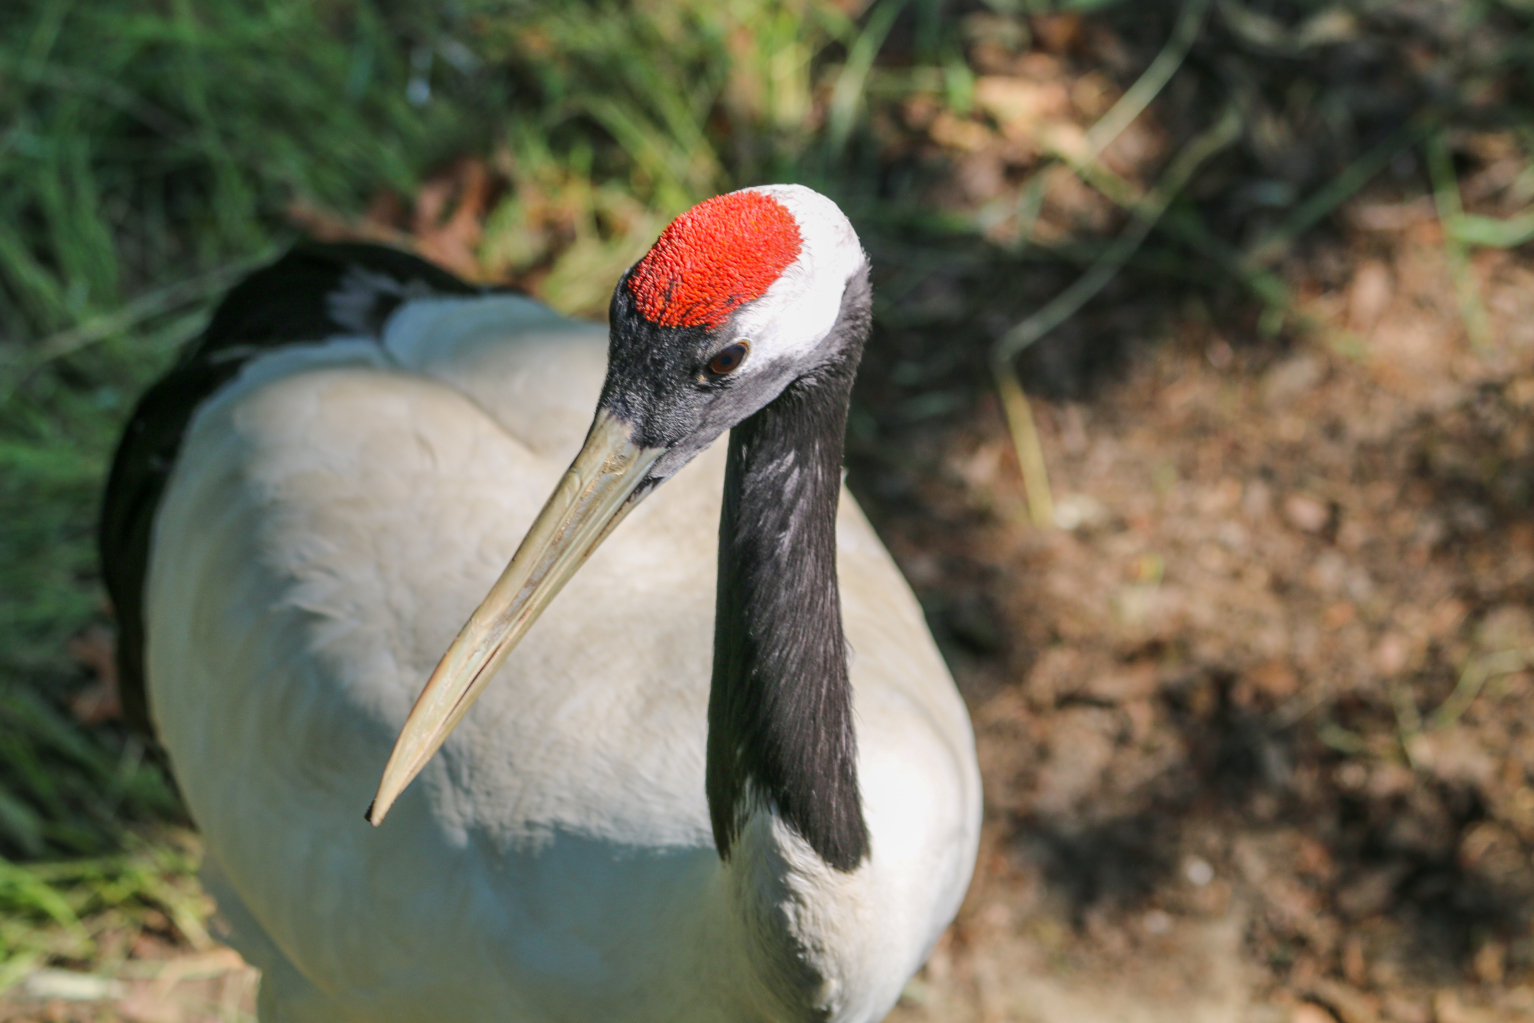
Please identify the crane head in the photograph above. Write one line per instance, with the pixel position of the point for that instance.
(740, 296)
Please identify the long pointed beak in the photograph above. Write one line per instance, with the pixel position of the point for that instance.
(597, 491)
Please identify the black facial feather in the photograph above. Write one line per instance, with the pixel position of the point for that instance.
(651, 373)
(658, 383)
(314, 292)
(780, 704)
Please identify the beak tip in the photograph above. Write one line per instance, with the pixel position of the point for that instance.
(591, 499)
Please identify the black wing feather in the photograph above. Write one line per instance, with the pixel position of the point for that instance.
(314, 292)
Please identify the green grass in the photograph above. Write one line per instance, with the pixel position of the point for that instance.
(84, 910)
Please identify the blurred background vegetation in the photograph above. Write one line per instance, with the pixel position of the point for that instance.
(1053, 192)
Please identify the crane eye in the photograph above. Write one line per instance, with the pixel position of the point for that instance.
(729, 358)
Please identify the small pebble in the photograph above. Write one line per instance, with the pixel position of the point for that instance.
(1198, 872)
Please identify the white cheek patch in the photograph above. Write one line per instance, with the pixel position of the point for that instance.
(801, 306)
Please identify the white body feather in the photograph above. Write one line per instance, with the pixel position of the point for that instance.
(334, 516)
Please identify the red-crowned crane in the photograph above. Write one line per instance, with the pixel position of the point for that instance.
(725, 775)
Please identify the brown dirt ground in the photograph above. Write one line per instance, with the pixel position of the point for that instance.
(1225, 778)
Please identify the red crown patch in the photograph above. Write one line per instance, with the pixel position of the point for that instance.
(719, 255)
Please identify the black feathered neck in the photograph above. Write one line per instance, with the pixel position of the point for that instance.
(780, 728)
